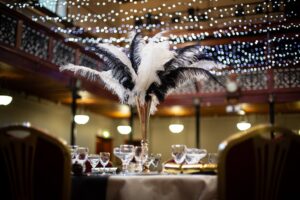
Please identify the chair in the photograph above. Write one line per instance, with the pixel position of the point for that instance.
(262, 163)
(33, 165)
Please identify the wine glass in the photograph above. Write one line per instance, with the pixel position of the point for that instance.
(94, 160)
(82, 156)
(126, 155)
(194, 155)
(104, 159)
(140, 155)
(156, 159)
(73, 149)
(178, 153)
(213, 158)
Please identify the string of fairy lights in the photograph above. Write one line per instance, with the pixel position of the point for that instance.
(238, 19)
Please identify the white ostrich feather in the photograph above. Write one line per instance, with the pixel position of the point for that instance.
(113, 84)
(154, 56)
(154, 104)
(208, 65)
(83, 71)
(157, 37)
(106, 76)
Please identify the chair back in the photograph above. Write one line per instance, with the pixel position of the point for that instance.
(33, 165)
(258, 164)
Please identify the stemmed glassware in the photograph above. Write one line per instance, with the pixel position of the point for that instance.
(94, 160)
(116, 151)
(73, 149)
(141, 155)
(213, 158)
(155, 159)
(194, 155)
(126, 154)
(82, 156)
(104, 159)
(178, 153)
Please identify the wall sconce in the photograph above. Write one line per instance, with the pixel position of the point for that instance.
(5, 99)
(176, 128)
(106, 134)
(124, 129)
(81, 119)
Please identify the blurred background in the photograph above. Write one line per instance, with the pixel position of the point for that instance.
(257, 40)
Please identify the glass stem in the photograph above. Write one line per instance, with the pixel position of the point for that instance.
(124, 168)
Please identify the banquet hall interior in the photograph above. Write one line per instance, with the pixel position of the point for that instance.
(256, 43)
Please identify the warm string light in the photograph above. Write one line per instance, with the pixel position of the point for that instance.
(285, 52)
(214, 17)
(125, 28)
(132, 13)
(231, 21)
(94, 18)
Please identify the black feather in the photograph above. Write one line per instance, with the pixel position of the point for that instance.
(174, 78)
(182, 60)
(120, 71)
(134, 51)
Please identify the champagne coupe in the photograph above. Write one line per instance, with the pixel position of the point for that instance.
(194, 155)
(104, 159)
(94, 160)
(178, 153)
(126, 155)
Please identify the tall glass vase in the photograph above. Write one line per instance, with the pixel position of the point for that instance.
(143, 109)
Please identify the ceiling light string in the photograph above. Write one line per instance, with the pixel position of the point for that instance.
(247, 29)
(132, 13)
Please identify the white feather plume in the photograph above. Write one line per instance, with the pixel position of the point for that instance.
(154, 56)
(208, 65)
(83, 71)
(106, 76)
(113, 84)
(157, 37)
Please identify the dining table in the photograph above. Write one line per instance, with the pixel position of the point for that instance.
(146, 186)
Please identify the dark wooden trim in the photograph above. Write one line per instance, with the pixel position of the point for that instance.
(19, 34)
(30, 63)
(50, 49)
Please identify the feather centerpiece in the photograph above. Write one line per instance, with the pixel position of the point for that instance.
(150, 70)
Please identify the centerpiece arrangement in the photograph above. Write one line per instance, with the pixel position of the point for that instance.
(145, 74)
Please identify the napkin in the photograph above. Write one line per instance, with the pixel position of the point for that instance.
(171, 167)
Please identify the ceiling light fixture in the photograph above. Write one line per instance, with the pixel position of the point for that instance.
(5, 100)
(81, 119)
(243, 125)
(124, 129)
(176, 128)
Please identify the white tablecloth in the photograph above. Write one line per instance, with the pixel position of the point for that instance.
(162, 187)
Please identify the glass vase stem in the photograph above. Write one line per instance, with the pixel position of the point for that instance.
(143, 109)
